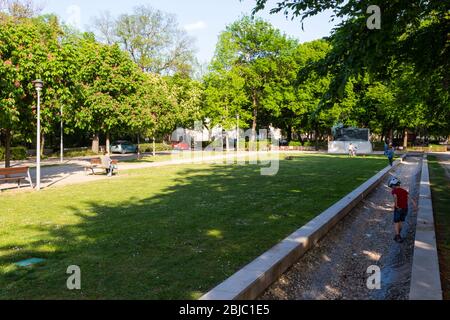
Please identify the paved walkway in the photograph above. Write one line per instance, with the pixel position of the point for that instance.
(53, 173)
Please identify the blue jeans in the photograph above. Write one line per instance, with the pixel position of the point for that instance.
(400, 215)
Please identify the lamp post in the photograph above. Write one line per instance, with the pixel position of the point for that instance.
(237, 132)
(38, 84)
(62, 137)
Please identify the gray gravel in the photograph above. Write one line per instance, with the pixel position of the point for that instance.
(337, 267)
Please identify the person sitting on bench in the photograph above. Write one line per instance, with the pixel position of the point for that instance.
(107, 163)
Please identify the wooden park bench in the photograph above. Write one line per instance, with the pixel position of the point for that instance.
(16, 174)
(96, 163)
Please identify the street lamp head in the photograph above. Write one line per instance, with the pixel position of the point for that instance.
(38, 84)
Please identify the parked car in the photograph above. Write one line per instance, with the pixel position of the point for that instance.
(123, 147)
(181, 146)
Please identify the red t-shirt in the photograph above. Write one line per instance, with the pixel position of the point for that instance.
(402, 197)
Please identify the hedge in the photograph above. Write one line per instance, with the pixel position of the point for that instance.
(17, 153)
(160, 147)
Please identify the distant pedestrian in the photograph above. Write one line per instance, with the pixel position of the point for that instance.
(386, 148)
(390, 155)
(352, 150)
(401, 207)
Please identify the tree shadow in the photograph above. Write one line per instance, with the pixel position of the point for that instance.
(166, 233)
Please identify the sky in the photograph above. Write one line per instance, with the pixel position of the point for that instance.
(204, 20)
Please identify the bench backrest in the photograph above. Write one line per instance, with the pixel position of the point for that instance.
(96, 161)
(13, 171)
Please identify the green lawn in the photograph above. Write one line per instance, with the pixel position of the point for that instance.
(163, 233)
(440, 187)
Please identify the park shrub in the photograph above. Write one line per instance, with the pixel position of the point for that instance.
(323, 145)
(159, 147)
(17, 153)
(295, 144)
(262, 145)
(79, 153)
(430, 148)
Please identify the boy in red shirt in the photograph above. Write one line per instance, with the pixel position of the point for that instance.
(401, 197)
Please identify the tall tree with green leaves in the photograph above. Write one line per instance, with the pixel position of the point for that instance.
(412, 34)
(27, 52)
(107, 76)
(252, 49)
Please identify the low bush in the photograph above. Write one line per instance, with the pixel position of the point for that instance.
(295, 144)
(159, 147)
(17, 153)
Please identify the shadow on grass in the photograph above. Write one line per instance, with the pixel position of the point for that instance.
(440, 189)
(166, 233)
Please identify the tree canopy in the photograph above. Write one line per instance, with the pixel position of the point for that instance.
(138, 80)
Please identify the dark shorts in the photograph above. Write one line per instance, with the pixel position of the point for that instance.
(400, 215)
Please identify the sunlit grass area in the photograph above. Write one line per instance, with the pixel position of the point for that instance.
(440, 187)
(163, 233)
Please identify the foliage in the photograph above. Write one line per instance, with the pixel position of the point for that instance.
(17, 153)
(151, 37)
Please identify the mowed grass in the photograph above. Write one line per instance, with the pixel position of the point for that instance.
(440, 188)
(163, 233)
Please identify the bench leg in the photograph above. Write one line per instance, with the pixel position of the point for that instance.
(29, 179)
(18, 183)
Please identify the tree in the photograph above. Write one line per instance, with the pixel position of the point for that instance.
(187, 96)
(20, 9)
(411, 31)
(150, 111)
(107, 76)
(225, 98)
(252, 50)
(152, 38)
(25, 51)
(414, 37)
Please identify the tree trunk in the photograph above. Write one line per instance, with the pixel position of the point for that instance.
(42, 144)
(95, 143)
(289, 133)
(391, 136)
(138, 146)
(255, 116)
(316, 136)
(7, 148)
(154, 146)
(108, 143)
(405, 139)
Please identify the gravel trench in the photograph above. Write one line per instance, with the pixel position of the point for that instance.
(337, 267)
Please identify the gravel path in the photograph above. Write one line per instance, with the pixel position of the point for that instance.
(337, 267)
